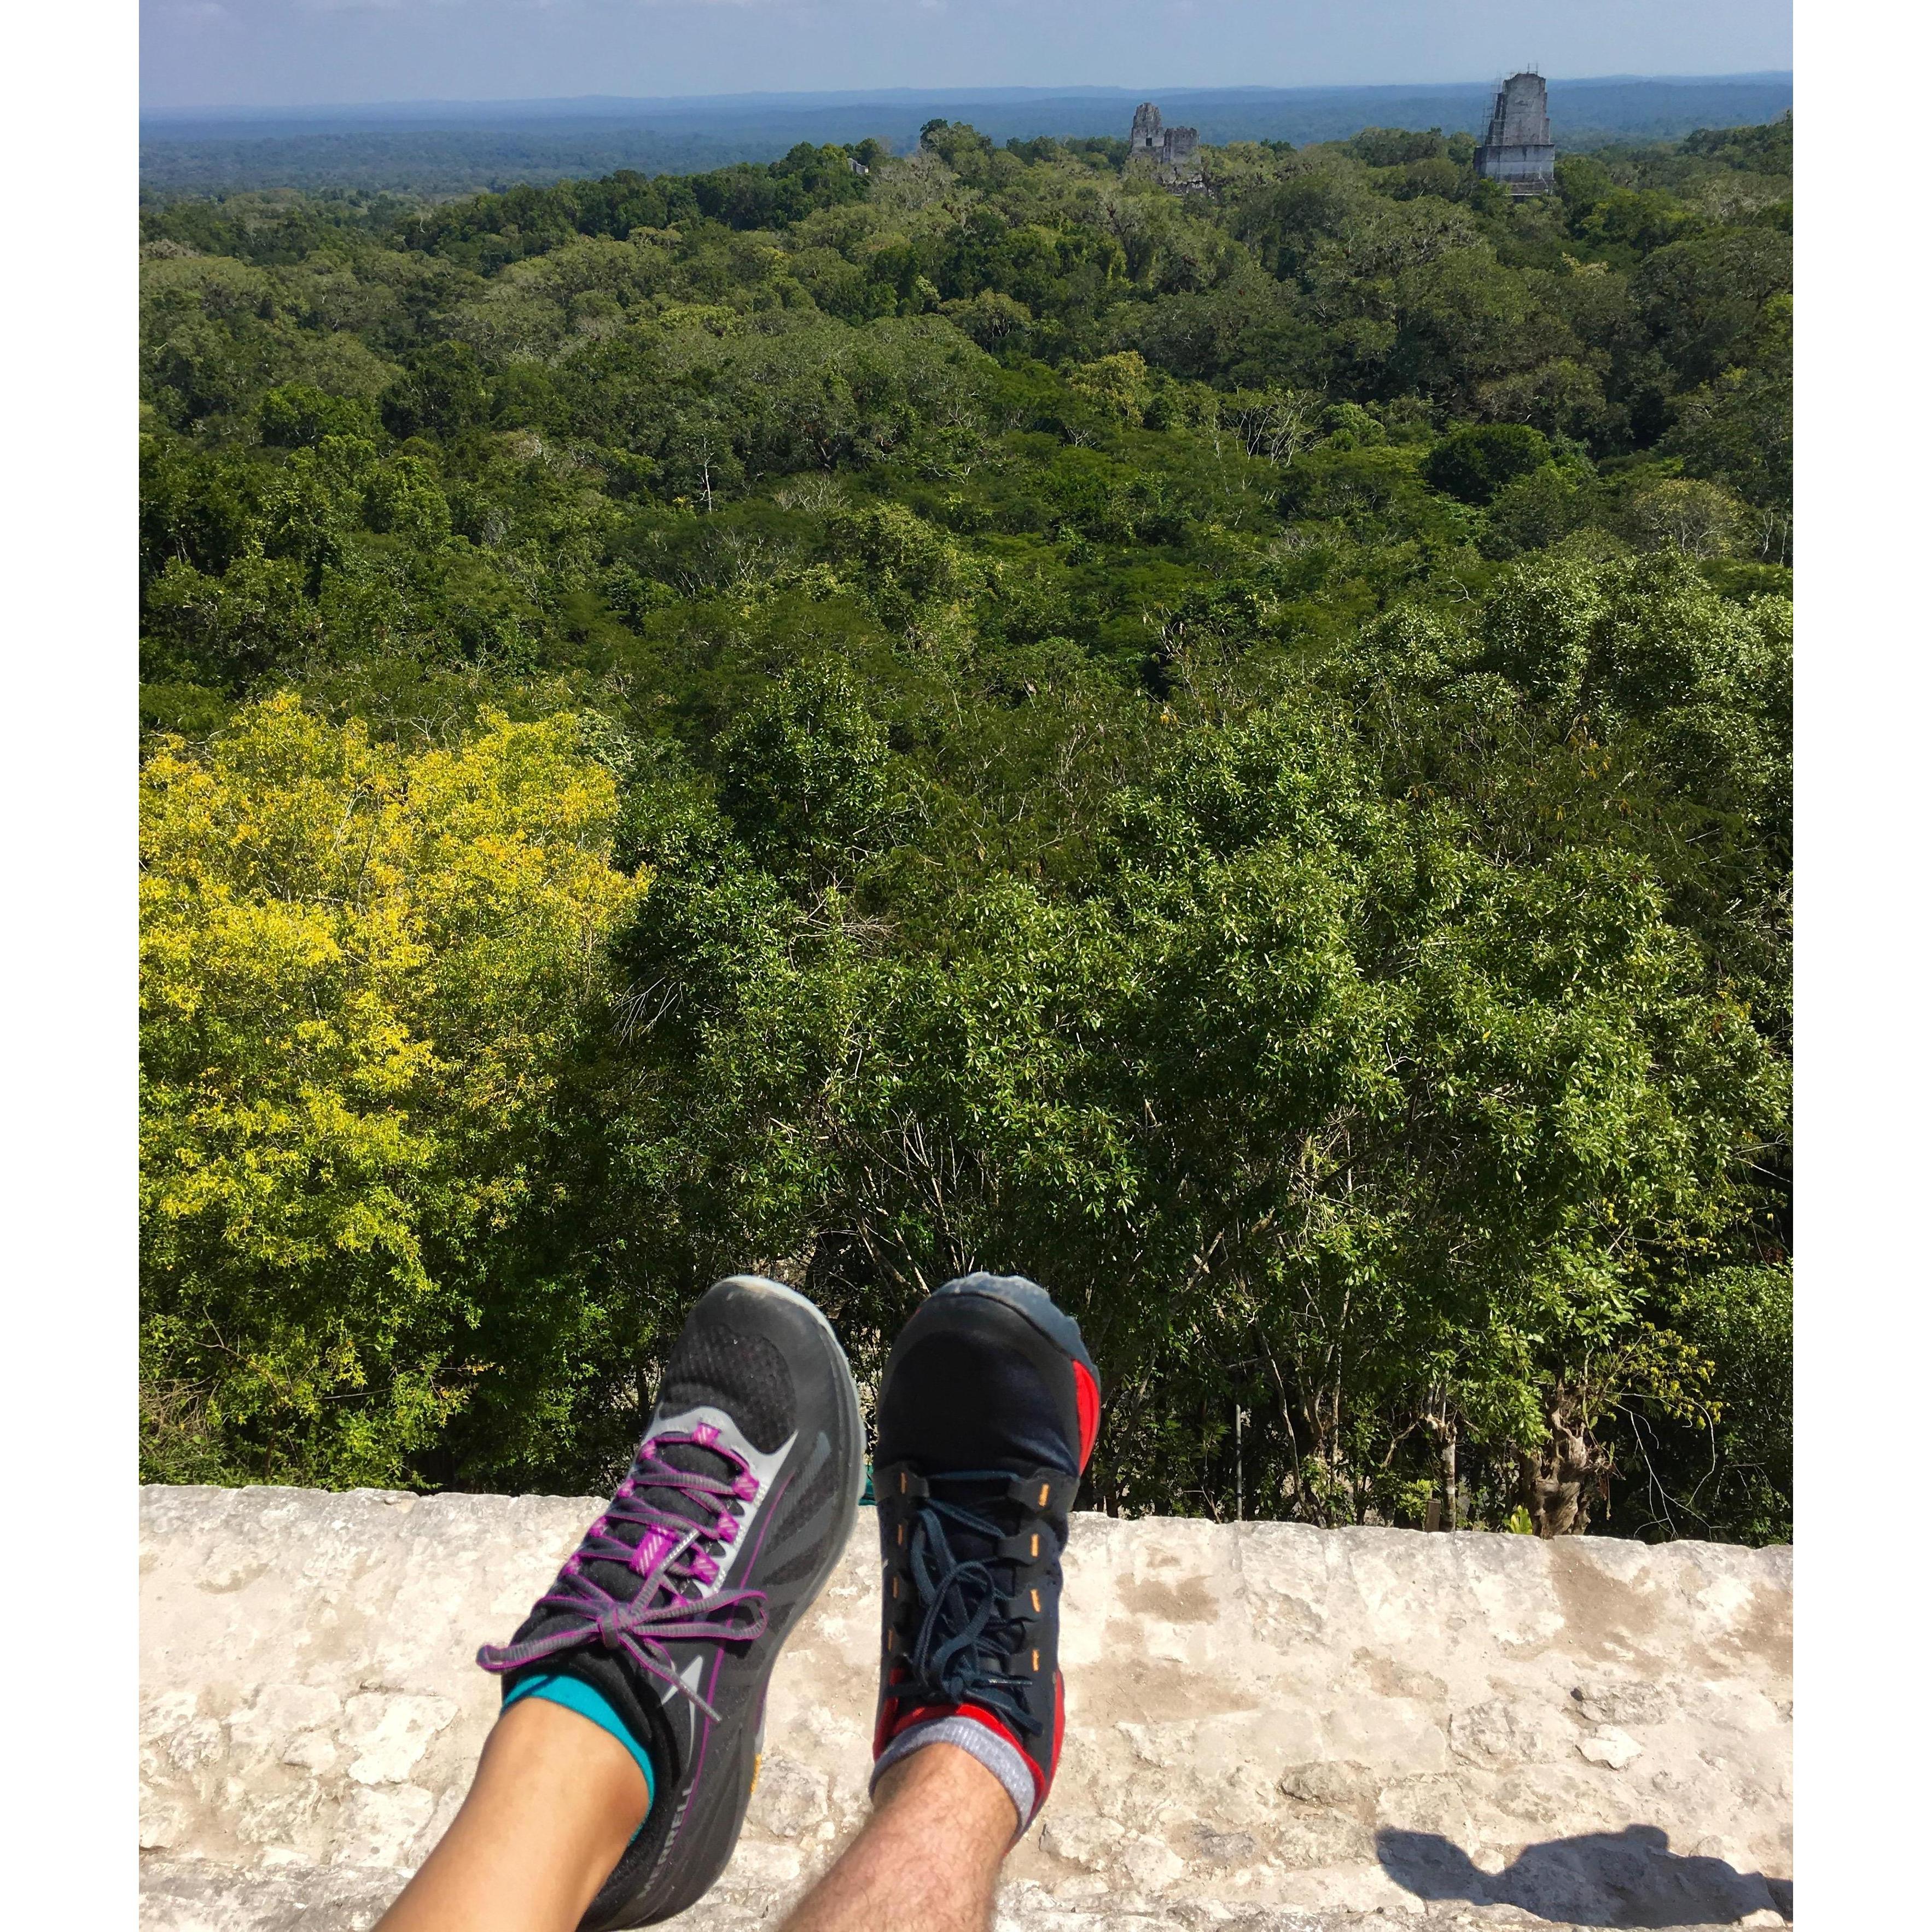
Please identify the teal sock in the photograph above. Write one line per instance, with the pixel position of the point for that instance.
(573, 1694)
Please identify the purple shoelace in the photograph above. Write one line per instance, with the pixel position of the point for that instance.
(667, 1557)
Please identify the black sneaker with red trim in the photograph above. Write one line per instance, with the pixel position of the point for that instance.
(987, 1418)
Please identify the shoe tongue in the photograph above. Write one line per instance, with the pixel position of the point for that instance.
(983, 1498)
(662, 1499)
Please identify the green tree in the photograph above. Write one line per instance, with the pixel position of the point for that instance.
(1472, 464)
(806, 778)
(1232, 751)
(361, 971)
(293, 415)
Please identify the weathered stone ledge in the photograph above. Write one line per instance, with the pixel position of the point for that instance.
(1270, 1728)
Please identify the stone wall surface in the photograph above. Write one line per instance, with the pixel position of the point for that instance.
(1521, 118)
(1269, 1728)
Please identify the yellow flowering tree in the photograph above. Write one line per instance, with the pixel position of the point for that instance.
(365, 973)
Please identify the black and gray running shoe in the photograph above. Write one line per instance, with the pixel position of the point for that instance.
(988, 1416)
(675, 1604)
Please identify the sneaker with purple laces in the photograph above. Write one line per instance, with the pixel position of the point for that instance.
(673, 1607)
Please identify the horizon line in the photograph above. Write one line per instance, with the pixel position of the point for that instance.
(855, 96)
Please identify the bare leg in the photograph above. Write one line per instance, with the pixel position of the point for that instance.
(554, 1802)
(929, 1858)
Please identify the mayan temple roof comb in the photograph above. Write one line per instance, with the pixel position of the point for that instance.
(1518, 150)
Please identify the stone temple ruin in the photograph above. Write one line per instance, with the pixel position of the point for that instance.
(1518, 152)
(1171, 149)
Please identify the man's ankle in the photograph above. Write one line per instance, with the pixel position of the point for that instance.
(983, 1742)
(974, 1799)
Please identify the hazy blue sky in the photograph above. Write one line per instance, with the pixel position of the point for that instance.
(288, 52)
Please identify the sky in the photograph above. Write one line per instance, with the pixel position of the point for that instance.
(267, 53)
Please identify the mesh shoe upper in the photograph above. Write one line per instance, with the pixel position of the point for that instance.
(674, 1604)
(987, 1417)
(648, 1570)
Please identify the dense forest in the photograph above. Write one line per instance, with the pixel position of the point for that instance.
(860, 716)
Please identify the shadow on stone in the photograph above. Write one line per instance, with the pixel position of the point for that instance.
(1629, 1877)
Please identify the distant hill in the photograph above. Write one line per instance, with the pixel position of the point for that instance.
(444, 147)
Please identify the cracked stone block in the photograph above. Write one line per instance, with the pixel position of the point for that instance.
(297, 1821)
(200, 1742)
(1339, 1787)
(278, 1712)
(165, 1712)
(379, 1825)
(1150, 1864)
(164, 1825)
(1500, 1732)
(1225, 1849)
(790, 1799)
(388, 1732)
(1638, 1703)
(1431, 1803)
(312, 1751)
(1608, 1745)
(1320, 1837)
(1081, 1838)
(1271, 1728)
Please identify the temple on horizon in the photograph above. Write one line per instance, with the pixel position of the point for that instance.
(1165, 147)
(1519, 152)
